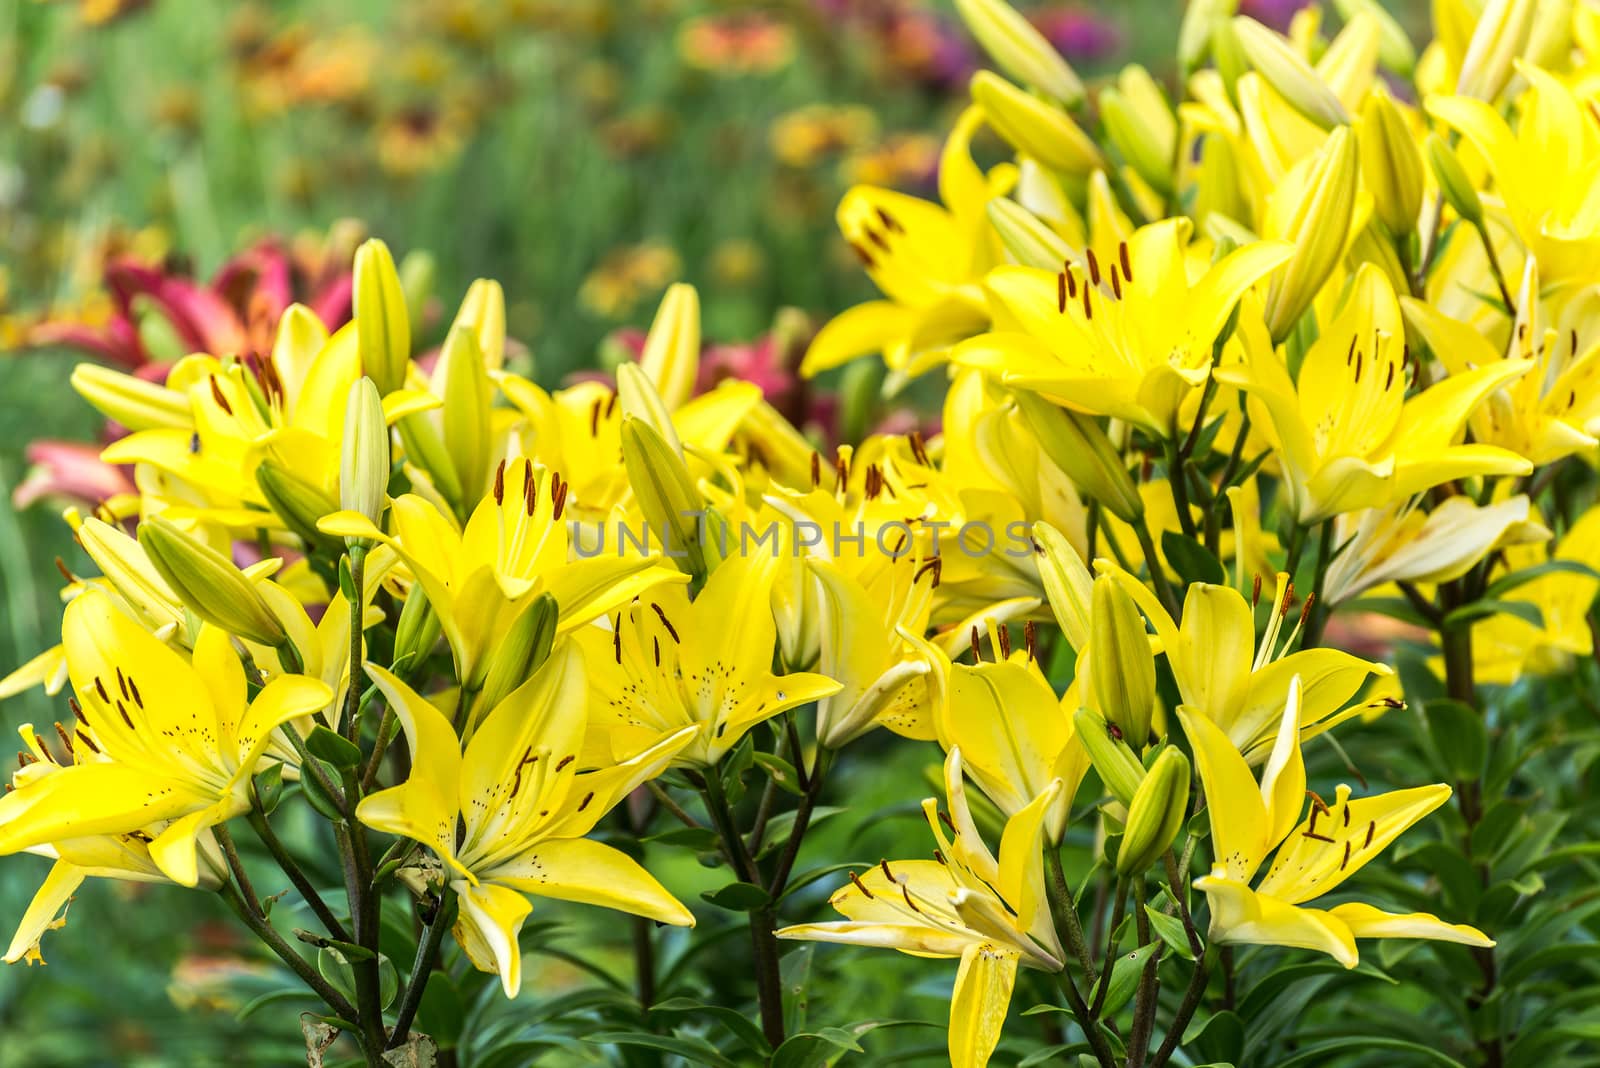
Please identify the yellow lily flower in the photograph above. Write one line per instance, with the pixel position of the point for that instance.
(1238, 685)
(670, 665)
(1315, 856)
(1347, 435)
(125, 857)
(992, 914)
(1507, 647)
(508, 816)
(1127, 339)
(927, 259)
(180, 739)
(515, 546)
(1402, 544)
(1548, 414)
(1015, 736)
(1541, 169)
(288, 409)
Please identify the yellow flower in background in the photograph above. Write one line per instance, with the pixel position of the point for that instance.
(1250, 820)
(1127, 336)
(1506, 646)
(508, 815)
(1348, 437)
(668, 664)
(991, 914)
(626, 276)
(180, 740)
(1541, 169)
(926, 258)
(736, 44)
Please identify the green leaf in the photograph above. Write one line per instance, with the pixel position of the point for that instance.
(269, 788)
(1483, 608)
(699, 839)
(319, 798)
(813, 1048)
(1170, 930)
(781, 825)
(1506, 583)
(694, 1050)
(1311, 1056)
(1218, 1039)
(738, 1023)
(1190, 559)
(1458, 735)
(780, 771)
(442, 1012)
(335, 968)
(333, 748)
(738, 897)
(1125, 978)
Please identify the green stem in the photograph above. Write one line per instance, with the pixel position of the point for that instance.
(1065, 913)
(1149, 990)
(352, 701)
(1169, 599)
(1494, 269)
(1185, 1013)
(286, 953)
(421, 970)
(297, 877)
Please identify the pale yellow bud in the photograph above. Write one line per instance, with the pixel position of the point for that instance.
(1500, 36)
(1035, 127)
(1281, 67)
(1026, 237)
(208, 583)
(383, 324)
(671, 356)
(1078, 445)
(1122, 671)
(1390, 163)
(483, 311)
(463, 381)
(1454, 184)
(1200, 20)
(364, 456)
(666, 494)
(133, 402)
(1020, 50)
(1318, 226)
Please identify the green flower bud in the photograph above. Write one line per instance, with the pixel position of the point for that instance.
(463, 381)
(666, 492)
(1026, 237)
(1122, 672)
(1141, 124)
(383, 323)
(483, 311)
(209, 584)
(364, 456)
(417, 631)
(1281, 67)
(1078, 445)
(671, 356)
(1395, 49)
(1453, 181)
(1118, 768)
(1035, 127)
(521, 652)
(294, 500)
(1499, 38)
(1020, 50)
(1200, 19)
(1156, 812)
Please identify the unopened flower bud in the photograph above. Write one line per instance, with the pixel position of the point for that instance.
(1141, 124)
(133, 402)
(1026, 237)
(1078, 445)
(521, 652)
(1499, 38)
(1021, 50)
(666, 493)
(1122, 671)
(1390, 163)
(1068, 585)
(1118, 768)
(463, 381)
(483, 311)
(364, 457)
(1395, 50)
(383, 323)
(126, 565)
(209, 584)
(1200, 19)
(417, 631)
(1453, 182)
(1156, 812)
(1035, 127)
(1318, 224)
(295, 501)
(1281, 67)
(671, 356)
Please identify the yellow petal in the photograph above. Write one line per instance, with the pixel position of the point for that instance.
(285, 698)
(591, 873)
(48, 902)
(867, 328)
(1365, 921)
(1333, 843)
(978, 1006)
(487, 928)
(1022, 862)
(175, 849)
(1239, 819)
(89, 799)
(1240, 914)
(424, 807)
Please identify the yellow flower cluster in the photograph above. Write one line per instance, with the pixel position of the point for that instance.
(1215, 369)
